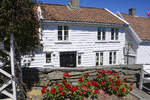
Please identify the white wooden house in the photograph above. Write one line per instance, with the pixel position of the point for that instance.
(74, 36)
(138, 37)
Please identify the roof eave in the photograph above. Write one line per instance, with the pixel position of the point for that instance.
(76, 22)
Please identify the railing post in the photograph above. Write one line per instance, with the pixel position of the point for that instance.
(13, 67)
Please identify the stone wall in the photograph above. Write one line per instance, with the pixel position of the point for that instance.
(35, 78)
(38, 77)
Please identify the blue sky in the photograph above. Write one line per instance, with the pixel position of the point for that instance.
(141, 6)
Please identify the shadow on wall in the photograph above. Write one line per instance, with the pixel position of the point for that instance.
(30, 77)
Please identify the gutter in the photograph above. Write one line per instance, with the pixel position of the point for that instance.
(117, 16)
(73, 22)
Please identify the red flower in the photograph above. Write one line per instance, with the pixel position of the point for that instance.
(82, 85)
(56, 83)
(123, 90)
(89, 83)
(98, 76)
(67, 85)
(112, 85)
(87, 74)
(96, 91)
(103, 72)
(109, 72)
(44, 87)
(61, 93)
(53, 89)
(80, 93)
(114, 88)
(97, 84)
(116, 75)
(64, 81)
(118, 82)
(130, 88)
(60, 89)
(102, 83)
(81, 80)
(99, 71)
(93, 82)
(47, 90)
(83, 92)
(73, 89)
(43, 91)
(109, 79)
(66, 75)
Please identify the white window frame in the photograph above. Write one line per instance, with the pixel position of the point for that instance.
(101, 33)
(100, 59)
(114, 34)
(63, 33)
(113, 57)
(50, 59)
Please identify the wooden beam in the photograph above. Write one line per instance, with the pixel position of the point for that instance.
(5, 73)
(13, 66)
(5, 85)
(4, 51)
(7, 94)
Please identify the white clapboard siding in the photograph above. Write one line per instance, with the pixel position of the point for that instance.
(143, 54)
(82, 39)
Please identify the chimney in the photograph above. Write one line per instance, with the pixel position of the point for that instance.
(132, 11)
(74, 4)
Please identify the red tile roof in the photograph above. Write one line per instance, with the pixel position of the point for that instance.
(141, 25)
(57, 12)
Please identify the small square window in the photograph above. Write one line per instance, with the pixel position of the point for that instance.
(48, 57)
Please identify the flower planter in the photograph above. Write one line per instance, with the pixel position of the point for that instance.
(104, 82)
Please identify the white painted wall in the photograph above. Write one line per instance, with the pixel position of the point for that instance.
(143, 53)
(82, 39)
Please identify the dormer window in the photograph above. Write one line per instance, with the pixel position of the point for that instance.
(63, 33)
(101, 34)
(114, 34)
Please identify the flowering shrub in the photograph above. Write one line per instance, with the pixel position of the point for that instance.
(87, 87)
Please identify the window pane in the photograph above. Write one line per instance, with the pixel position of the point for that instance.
(103, 38)
(112, 34)
(117, 31)
(97, 59)
(114, 61)
(99, 34)
(79, 59)
(48, 57)
(59, 32)
(101, 58)
(59, 35)
(66, 28)
(59, 27)
(66, 35)
(110, 58)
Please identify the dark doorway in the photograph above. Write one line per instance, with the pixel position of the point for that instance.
(67, 59)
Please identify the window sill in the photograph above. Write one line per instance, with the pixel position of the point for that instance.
(101, 41)
(63, 42)
(48, 64)
(130, 55)
(114, 41)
